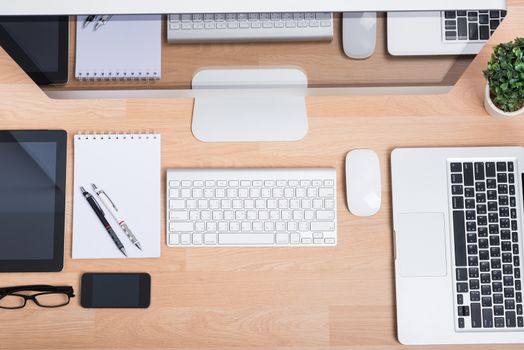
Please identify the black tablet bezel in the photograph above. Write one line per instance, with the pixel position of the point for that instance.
(144, 290)
(18, 55)
(57, 262)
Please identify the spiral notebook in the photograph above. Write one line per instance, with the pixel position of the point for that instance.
(126, 47)
(127, 168)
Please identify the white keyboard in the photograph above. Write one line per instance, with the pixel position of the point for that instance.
(227, 27)
(251, 207)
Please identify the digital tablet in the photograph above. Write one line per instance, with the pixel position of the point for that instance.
(32, 200)
(39, 45)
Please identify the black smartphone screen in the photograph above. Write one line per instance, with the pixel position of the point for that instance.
(116, 290)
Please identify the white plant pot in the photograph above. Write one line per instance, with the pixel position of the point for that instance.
(494, 111)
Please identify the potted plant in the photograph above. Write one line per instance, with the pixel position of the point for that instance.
(505, 76)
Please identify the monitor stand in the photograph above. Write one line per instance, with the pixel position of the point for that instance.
(244, 104)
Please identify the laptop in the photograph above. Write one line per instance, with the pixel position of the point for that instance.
(442, 32)
(457, 217)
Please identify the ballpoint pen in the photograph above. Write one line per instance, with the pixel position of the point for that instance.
(88, 20)
(102, 20)
(101, 216)
(111, 207)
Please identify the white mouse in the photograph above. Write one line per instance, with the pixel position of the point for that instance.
(359, 34)
(363, 184)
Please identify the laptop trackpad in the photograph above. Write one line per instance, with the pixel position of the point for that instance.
(421, 245)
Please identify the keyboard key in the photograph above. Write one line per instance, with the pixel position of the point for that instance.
(476, 319)
(468, 174)
(487, 318)
(509, 304)
(459, 237)
(456, 167)
(185, 238)
(210, 238)
(462, 24)
(484, 31)
(473, 31)
(173, 238)
(461, 274)
(479, 171)
(282, 238)
(457, 189)
(498, 310)
(485, 290)
(480, 187)
(474, 284)
(462, 287)
(322, 226)
(498, 298)
(456, 178)
(510, 319)
(181, 227)
(494, 14)
(472, 15)
(449, 14)
(490, 169)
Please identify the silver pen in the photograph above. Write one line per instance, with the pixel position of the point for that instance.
(102, 20)
(111, 207)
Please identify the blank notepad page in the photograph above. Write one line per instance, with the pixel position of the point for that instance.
(126, 47)
(127, 167)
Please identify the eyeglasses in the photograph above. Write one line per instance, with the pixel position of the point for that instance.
(46, 296)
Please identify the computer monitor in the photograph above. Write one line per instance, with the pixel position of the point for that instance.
(56, 7)
(256, 92)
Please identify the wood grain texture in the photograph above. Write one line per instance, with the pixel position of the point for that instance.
(292, 299)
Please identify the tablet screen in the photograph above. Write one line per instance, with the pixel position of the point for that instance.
(38, 44)
(27, 200)
(32, 200)
(38, 39)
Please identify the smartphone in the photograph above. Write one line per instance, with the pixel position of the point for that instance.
(115, 290)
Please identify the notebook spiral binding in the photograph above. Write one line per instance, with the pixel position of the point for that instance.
(118, 76)
(116, 135)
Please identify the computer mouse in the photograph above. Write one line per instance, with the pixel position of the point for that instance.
(363, 182)
(359, 34)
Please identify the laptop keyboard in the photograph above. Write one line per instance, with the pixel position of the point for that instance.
(470, 25)
(488, 283)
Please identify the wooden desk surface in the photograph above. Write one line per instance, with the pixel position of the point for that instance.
(339, 298)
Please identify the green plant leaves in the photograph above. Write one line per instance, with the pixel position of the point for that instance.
(505, 75)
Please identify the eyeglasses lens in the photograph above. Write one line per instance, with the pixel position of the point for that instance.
(11, 301)
(52, 299)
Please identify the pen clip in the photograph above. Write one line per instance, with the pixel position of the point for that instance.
(109, 198)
